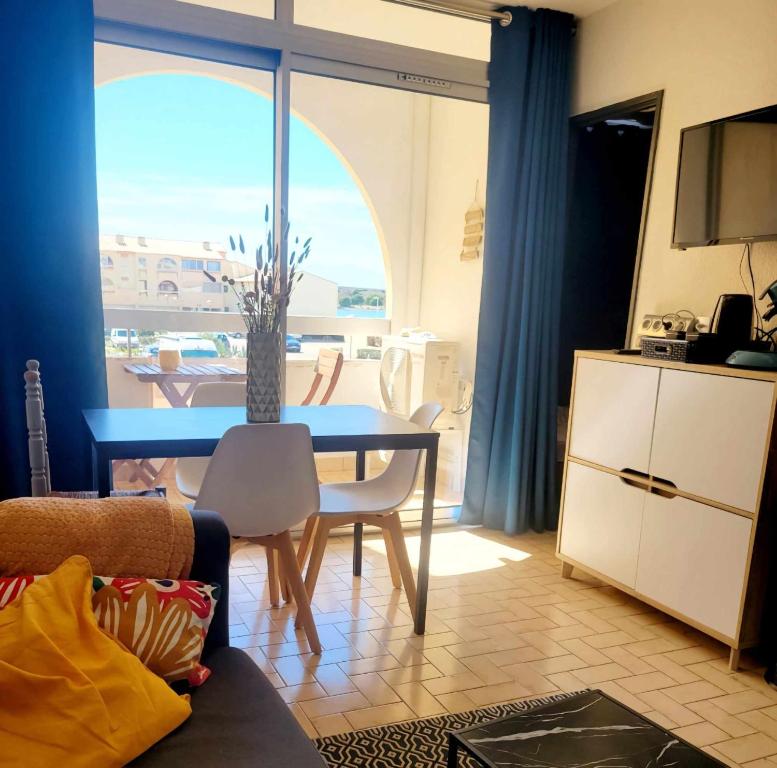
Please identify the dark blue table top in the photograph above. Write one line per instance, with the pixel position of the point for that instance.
(152, 432)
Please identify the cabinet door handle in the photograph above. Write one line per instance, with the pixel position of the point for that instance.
(667, 491)
(637, 474)
(635, 482)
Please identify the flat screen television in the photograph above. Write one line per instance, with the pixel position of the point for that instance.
(727, 181)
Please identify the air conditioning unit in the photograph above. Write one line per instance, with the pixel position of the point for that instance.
(417, 369)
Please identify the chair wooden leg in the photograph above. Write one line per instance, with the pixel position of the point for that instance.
(393, 524)
(272, 575)
(316, 556)
(286, 592)
(391, 556)
(292, 572)
(307, 539)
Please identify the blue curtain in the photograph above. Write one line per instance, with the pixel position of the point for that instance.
(511, 470)
(51, 308)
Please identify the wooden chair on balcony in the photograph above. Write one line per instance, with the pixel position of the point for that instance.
(37, 444)
(328, 367)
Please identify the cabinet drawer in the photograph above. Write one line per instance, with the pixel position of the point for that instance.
(693, 559)
(710, 435)
(601, 522)
(612, 416)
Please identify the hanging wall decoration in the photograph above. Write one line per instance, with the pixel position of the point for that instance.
(474, 222)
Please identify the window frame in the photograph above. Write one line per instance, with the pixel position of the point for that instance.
(281, 46)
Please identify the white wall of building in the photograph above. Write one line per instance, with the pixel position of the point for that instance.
(458, 153)
(712, 58)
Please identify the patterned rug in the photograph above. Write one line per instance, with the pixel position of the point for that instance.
(414, 744)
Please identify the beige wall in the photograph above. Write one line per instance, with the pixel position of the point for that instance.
(712, 58)
(458, 151)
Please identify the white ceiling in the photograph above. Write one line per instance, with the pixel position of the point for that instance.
(579, 8)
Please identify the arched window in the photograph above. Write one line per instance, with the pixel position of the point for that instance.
(166, 264)
(106, 262)
(108, 285)
(324, 185)
(168, 286)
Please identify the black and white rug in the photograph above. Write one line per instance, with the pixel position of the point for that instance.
(414, 744)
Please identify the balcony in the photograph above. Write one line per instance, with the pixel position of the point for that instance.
(359, 383)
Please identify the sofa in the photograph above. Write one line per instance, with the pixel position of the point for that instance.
(238, 719)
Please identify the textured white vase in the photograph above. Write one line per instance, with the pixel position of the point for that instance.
(263, 388)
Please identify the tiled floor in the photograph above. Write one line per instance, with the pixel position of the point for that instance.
(502, 625)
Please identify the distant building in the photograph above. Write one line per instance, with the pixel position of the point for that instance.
(146, 273)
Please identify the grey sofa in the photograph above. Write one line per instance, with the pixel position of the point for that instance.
(238, 719)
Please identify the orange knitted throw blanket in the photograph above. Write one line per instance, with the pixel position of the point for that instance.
(134, 536)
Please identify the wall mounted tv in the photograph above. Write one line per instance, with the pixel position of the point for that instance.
(727, 181)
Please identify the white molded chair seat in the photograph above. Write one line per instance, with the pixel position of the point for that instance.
(262, 480)
(190, 471)
(371, 497)
(370, 502)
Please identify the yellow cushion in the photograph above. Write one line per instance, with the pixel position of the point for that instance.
(69, 693)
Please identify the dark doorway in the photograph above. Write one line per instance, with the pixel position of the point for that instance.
(611, 159)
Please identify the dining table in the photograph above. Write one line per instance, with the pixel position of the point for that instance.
(118, 433)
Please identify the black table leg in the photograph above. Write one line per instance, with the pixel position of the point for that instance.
(358, 528)
(453, 748)
(101, 473)
(430, 479)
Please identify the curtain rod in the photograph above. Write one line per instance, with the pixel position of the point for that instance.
(503, 17)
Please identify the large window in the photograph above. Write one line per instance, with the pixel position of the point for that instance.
(366, 149)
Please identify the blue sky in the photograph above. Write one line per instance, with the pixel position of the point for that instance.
(183, 157)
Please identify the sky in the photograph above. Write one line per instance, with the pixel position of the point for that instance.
(183, 157)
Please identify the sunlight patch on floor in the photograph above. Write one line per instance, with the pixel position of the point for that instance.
(457, 552)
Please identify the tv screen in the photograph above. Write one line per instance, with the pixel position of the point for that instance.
(727, 181)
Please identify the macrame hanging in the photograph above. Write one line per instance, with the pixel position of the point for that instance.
(474, 221)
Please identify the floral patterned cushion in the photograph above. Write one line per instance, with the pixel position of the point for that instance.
(162, 621)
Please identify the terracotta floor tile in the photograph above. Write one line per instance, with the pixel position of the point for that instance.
(734, 703)
(600, 673)
(302, 692)
(418, 698)
(333, 680)
(648, 682)
(332, 705)
(670, 708)
(694, 692)
(515, 631)
(701, 734)
(302, 719)
(331, 725)
(496, 694)
(451, 683)
(414, 674)
(746, 748)
(383, 715)
(375, 688)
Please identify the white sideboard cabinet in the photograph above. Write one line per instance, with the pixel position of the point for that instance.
(669, 487)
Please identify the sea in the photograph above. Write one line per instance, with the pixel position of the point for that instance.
(375, 314)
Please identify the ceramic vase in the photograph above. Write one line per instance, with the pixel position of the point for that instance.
(263, 387)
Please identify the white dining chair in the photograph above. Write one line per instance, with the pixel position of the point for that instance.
(262, 480)
(371, 502)
(190, 471)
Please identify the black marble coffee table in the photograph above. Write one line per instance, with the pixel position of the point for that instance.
(589, 729)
